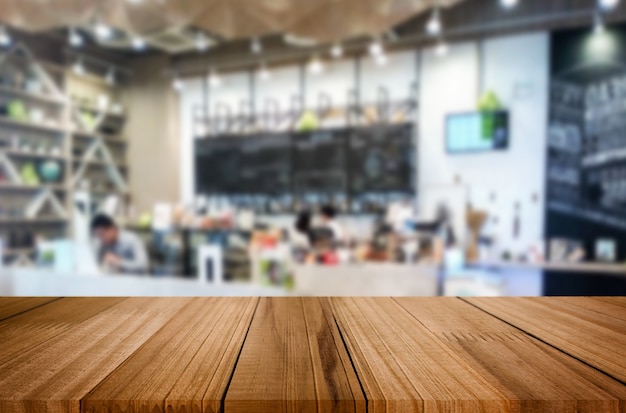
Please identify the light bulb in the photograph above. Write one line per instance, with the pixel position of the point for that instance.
(608, 4)
(336, 51)
(214, 80)
(316, 66)
(376, 48)
(256, 47)
(509, 4)
(202, 43)
(434, 26)
(75, 39)
(138, 43)
(5, 39)
(178, 84)
(103, 32)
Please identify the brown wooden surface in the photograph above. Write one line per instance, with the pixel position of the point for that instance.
(293, 360)
(590, 329)
(195, 355)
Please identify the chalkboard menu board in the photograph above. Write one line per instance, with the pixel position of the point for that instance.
(381, 159)
(586, 166)
(319, 162)
(218, 162)
(348, 168)
(266, 165)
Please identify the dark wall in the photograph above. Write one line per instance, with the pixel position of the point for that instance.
(586, 170)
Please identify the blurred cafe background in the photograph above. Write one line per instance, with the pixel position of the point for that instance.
(345, 147)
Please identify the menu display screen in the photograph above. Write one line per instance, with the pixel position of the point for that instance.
(477, 132)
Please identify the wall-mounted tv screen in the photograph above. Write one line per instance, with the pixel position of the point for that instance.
(477, 132)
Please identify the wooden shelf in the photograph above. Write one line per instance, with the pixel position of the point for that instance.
(30, 188)
(28, 221)
(100, 163)
(30, 125)
(33, 155)
(93, 109)
(95, 135)
(50, 100)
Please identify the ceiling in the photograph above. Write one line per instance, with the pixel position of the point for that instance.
(177, 26)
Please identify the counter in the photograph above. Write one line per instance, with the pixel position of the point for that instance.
(250, 354)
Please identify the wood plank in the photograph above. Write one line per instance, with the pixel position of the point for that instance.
(490, 347)
(11, 306)
(185, 367)
(402, 367)
(294, 360)
(70, 345)
(588, 330)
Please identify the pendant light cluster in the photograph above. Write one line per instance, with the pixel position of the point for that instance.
(434, 28)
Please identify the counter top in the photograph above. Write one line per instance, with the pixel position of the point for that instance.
(574, 267)
(251, 354)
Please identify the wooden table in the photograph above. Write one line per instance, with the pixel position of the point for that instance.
(193, 355)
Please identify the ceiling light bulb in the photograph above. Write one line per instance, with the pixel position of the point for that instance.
(316, 66)
(103, 32)
(336, 51)
(434, 26)
(178, 84)
(509, 4)
(138, 43)
(265, 74)
(608, 4)
(441, 49)
(75, 39)
(5, 39)
(215, 80)
(376, 48)
(110, 77)
(256, 47)
(202, 43)
(78, 67)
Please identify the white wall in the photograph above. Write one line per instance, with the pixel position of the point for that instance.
(515, 68)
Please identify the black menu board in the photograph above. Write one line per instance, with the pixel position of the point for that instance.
(382, 159)
(218, 162)
(265, 166)
(319, 162)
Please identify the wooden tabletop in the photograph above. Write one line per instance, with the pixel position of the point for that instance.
(194, 355)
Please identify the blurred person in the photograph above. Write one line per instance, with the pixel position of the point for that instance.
(317, 241)
(329, 214)
(118, 250)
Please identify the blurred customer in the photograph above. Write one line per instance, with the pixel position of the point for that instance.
(118, 250)
(329, 214)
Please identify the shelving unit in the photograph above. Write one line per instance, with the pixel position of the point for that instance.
(59, 132)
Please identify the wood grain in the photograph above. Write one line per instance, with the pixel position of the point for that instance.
(491, 347)
(184, 367)
(294, 360)
(592, 330)
(55, 354)
(12, 306)
(210, 355)
(403, 367)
